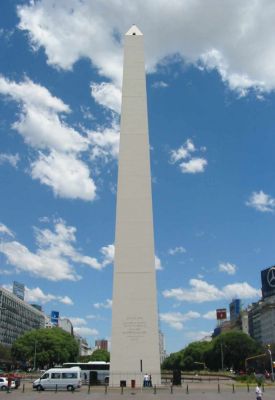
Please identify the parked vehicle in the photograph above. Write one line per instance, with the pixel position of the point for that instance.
(59, 378)
(4, 383)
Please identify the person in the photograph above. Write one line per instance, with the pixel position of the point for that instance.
(146, 380)
(9, 382)
(258, 391)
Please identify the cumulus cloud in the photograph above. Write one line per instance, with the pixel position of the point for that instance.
(55, 257)
(198, 335)
(57, 145)
(201, 291)
(11, 159)
(177, 250)
(108, 253)
(107, 95)
(210, 35)
(158, 265)
(176, 320)
(105, 142)
(85, 331)
(187, 163)
(5, 230)
(261, 202)
(229, 268)
(106, 304)
(210, 315)
(36, 295)
(68, 176)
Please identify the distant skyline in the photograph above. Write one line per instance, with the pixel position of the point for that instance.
(210, 87)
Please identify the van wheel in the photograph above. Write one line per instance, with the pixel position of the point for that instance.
(4, 388)
(70, 388)
(39, 388)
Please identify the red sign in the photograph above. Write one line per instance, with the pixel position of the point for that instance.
(221, 313)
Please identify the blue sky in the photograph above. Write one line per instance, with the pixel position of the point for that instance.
(210, 84)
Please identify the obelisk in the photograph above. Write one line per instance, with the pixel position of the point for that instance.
(135, 336)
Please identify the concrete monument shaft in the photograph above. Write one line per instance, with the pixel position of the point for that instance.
(135, 337)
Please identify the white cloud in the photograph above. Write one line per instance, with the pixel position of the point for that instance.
(261, 202)
(107, 304)
(108, 253)
(36, 295)
(210, 35)
(11, 159)
(176, 320)
(201, 291)
(5, 230)
(177, 250)
(68, 176)
(107, 95)
(158, 265)
(85, 331)
(229, 268)
(55, 256)
(210, 315)
(192, 165)
(198, 335)
(105, 142)
(160, 85)
(57, 146)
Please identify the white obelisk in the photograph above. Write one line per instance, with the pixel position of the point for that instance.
(135, 336)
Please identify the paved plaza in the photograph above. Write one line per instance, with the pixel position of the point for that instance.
(195, 391)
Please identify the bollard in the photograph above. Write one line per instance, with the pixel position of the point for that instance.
(219, 389)
(248, 387)
(263, 387)
(121, 390)
(155, 389)
(106, 386)
(233, 388)
(23, 389)
(187, 389)
(55, 388)
(171, 388)
(89, 388)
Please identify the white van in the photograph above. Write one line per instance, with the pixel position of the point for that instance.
(59, 378)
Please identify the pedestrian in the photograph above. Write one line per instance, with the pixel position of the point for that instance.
(258, 391)
(9, 382)
(146, 380)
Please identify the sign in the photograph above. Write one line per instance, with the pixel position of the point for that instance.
(54, 317)
(221, 313)
(268, 281)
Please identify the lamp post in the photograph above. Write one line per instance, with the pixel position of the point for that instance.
(271, 362)
(222, 355)
(34, 358)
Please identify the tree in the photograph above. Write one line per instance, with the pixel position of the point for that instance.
(97, 355)
(45, 347)
(231, 349)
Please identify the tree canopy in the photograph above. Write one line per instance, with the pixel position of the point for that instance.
(97, 355)
(230, 349)
(45, 347)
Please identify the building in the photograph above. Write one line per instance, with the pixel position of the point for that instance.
(135, 333)
(101, 344)
(235, 310)
(17, 317)
(66, 325)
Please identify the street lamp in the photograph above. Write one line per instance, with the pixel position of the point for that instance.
(34, 359)
(271, 362)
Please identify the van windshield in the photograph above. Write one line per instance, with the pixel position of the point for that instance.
(45, 376)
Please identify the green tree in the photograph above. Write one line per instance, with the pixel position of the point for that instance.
(5, 354)
(97, 355)
(232, 348)
(45, 348)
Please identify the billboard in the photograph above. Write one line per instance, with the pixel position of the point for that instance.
(221, 313)
(268, 281)
(54, 317)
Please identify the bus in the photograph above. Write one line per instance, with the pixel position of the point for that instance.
(92, 372)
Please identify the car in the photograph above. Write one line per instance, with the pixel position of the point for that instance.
(4, 383)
